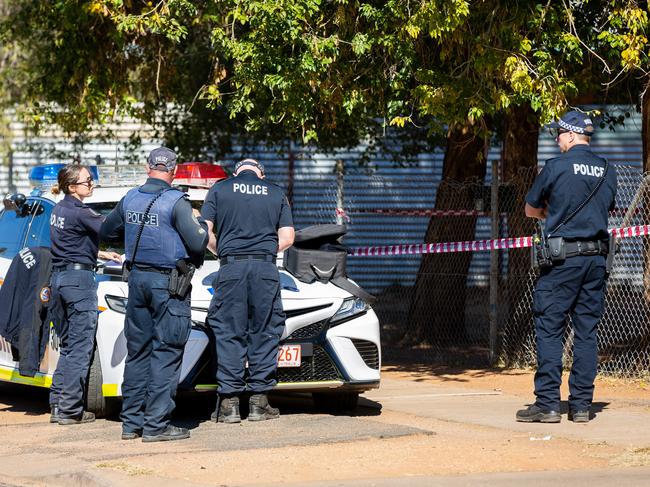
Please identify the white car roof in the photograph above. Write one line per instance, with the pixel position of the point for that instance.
(113, 194)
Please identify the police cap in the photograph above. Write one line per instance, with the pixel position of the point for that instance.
(574, 121)
(162, 159)
(249, 162)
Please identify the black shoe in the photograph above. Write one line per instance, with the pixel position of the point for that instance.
(131, 435)
(171, 433)
(84, 417)
(54, 413)
(227, 410)
(579, 416)
(260, 409)
(533, 414)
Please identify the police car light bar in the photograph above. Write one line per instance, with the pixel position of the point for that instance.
(198, 174)
(46, 175)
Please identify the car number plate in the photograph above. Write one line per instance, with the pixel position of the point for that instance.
(289, 355)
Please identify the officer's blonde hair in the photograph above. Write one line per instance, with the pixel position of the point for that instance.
(67, 176)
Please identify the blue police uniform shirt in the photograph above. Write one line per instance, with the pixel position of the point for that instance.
(247, 212)
(74, 232)
(564, 183)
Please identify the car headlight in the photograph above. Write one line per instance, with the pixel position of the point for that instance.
(116, 303)
(350, 308)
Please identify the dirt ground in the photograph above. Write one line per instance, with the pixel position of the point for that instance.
(411, 427)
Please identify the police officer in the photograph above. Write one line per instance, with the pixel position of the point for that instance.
(576, 284)
(74, 235)
(161, 234)
(252, 222)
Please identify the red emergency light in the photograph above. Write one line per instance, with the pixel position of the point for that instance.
(198, 174)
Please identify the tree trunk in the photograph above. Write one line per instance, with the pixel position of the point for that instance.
(519, 163)
(437, 312)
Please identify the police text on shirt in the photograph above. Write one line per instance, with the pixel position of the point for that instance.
(57, 221)
(27, 257)
(250, 189)
(586, 170)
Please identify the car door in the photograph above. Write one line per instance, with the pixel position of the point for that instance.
(13, 231)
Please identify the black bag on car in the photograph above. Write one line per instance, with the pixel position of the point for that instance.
(318, 255)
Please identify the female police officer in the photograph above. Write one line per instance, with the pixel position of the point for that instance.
(74, 232)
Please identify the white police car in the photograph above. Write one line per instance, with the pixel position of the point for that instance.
(330, 346)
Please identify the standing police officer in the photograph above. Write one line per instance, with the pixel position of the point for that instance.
(252, 222)
(161, 233)
(74, 235)
(575, 284)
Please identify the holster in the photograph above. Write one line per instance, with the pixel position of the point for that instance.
(540, 255)
(180, 279)
(126, 270)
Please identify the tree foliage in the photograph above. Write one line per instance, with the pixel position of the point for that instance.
(330, 73)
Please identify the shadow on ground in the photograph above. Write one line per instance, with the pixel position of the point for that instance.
(446, 373)
(30, 400)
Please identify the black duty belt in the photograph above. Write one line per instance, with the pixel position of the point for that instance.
(74, 267)
(232, 258)
(148, 268)
(581, 247)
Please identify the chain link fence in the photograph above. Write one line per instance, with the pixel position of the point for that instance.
(473, 308)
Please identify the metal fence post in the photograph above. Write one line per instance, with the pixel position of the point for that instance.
(10, 171)
(340, 169)
(494, 261)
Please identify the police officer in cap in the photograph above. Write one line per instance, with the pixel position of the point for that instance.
(74, 236)
(574, 285)
(161, 234)
(252, 222)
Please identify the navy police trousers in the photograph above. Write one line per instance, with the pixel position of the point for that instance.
(576, 287)
(74, 292)
(156, 328)
(247, 319)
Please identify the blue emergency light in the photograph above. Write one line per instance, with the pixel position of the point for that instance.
(46, 175)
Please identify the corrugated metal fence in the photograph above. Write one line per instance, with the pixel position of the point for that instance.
(386, 205)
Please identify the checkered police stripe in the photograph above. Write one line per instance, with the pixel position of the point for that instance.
(476, 245)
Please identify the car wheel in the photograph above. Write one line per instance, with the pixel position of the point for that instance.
(103, 407)
(335, 402)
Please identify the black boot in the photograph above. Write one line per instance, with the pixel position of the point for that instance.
(54, 413)
(227, 410)
(84, 417)
(534, 414)
(260, 409)
(170, 433)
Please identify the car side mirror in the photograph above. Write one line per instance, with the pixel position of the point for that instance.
(15, 202)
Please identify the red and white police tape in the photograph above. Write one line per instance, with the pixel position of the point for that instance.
(476, 245)
(418, 212)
